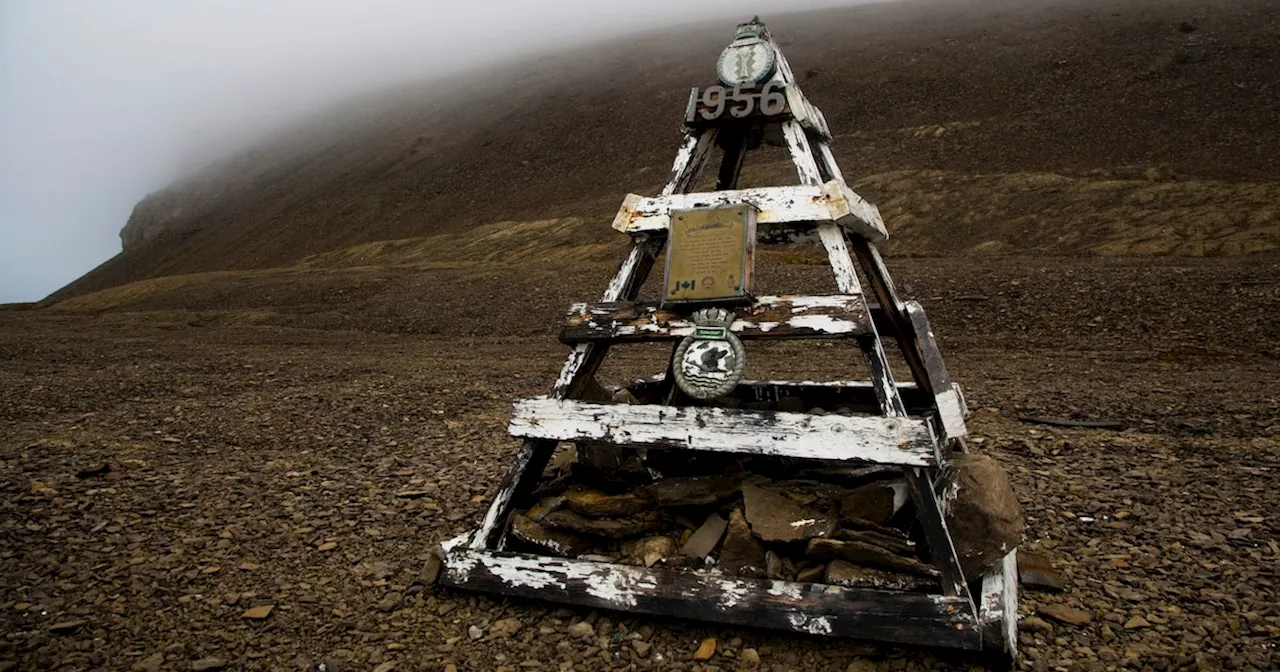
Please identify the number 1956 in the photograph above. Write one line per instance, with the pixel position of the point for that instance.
(714, 101)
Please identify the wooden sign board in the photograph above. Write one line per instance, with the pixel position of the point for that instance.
(710, 255)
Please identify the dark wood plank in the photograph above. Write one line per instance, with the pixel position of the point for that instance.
(950, 407)
(858, 396)
(734, 142)
(934, 525)
(693, 152)
(768, 317)
(888, 616)
(886, 294)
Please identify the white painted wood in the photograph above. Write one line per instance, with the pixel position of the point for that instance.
(806, 113)
(626, 274)
(829, 160)
(813, 608)
(860, 384)
(775, 204)
(807, 316)
(964, 404)
(841, 263)
(784, 68)
(1010, 600)
(833, 202)
(856, 214)
(801, 153)
(902, 441)
(950, 414)
(690, 157)
(998, 608)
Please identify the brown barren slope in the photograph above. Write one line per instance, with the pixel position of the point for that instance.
(1094, 127)
(297, 378)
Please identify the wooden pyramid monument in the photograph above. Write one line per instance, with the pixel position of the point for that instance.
(915, 427)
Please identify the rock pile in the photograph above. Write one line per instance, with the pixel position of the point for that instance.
(850, 526)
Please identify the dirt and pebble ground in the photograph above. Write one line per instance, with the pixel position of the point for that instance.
(185, 490)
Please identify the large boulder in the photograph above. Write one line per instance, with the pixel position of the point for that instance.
(984, 516)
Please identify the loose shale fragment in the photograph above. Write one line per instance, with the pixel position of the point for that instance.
(558, 542)
(1035, 571)
(611, 528)
(692, 490)
(706, 538)
(649, 550)
(741, 554)
(894, 543)
(842, 573)
(868, 555)
(591, 502)
(776, 517)
(875, 503)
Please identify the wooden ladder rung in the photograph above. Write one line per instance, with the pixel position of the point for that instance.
(768, 317)
(812, 608)
(833, 201)
(900, 441)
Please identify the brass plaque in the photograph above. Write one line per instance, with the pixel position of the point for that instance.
(709, 254)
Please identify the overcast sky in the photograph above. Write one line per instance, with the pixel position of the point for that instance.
(104, 101)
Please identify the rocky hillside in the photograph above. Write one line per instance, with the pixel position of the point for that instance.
(1095, 127)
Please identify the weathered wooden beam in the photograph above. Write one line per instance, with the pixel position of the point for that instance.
(693, 152)
(832, 201)
(934, 525)
(768, 317)
(946, 397)
(806, 113)
(888, 616)
(734, 143)
(801, 153)
(919, 485)
(998, 608)
(901, 441)
(831, 396)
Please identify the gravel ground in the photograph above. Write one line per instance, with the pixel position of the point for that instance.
(223, 496)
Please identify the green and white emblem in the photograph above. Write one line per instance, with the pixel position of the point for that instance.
(749, 60)
(710, 361)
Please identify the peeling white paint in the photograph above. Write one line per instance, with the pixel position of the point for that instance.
(455, 542)
(810, 202)
(800, 304)
(495, 510)
(816, 625)
(615, 587)
(900, 441)
(732, 593)
(900, 496)
(998, 603)
(786, 589)
(826, 324)
(570, 369)
(950, 414)
(839, 315)
(526, 572)
(838, 255)
(693, 152)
